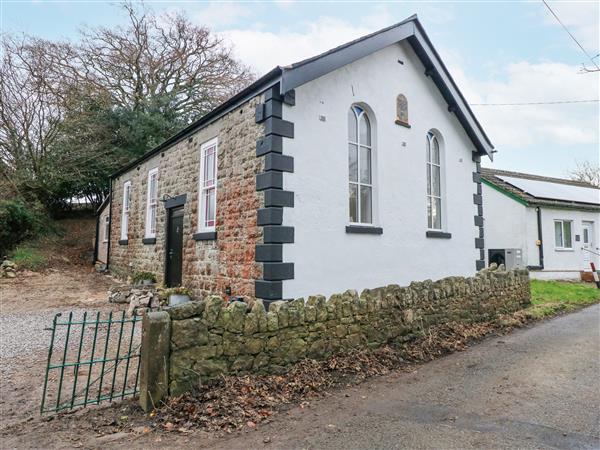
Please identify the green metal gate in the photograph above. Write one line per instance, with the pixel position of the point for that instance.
(91, 359)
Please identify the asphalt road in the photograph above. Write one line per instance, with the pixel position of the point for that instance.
(535, 388)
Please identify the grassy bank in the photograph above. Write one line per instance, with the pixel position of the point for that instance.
(552, 297)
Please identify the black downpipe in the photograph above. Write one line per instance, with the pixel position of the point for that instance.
(110, 193)
(541, 246)
(95, 258)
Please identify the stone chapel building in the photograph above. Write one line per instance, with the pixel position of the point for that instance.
(356, 168)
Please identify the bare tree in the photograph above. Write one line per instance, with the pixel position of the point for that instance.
(587, 172)
(151, 57)
(71, 113)
(30, 111)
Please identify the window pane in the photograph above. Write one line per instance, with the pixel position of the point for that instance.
(152, 219)
(351, 126)
(153, 186)
(365, 204)
(209, 207)
(365, 165)
(365, 130)
(436, 213)
(353, 203)
(558, 238)
(429, 213)
(435, 180)
(585, 236)
(428, 179)
(435, 150)
(353, 162)
(428, 147)
(209, 167)
(567, 234)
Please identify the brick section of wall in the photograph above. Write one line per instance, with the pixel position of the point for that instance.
(209, 266)
(209, 339)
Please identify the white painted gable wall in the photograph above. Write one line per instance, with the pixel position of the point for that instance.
(326, 258)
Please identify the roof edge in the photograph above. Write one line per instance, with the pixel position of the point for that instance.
(248, 92)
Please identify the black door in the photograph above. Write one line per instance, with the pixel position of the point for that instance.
(174, 247)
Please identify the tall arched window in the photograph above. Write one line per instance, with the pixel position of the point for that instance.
(359, 162)
(434, 182)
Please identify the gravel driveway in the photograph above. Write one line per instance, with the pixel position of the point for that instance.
(536, 388)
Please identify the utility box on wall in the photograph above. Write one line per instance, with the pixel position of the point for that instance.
(512, 258)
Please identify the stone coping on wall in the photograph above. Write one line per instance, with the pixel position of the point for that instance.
(210, 338)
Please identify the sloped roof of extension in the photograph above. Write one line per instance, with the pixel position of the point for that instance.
(536, 190)
(297, 74)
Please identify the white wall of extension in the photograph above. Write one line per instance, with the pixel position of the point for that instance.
(510, 224)
(560, 263)
(329, 260)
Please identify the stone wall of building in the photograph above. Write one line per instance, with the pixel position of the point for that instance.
(209, 338)
(209, 266)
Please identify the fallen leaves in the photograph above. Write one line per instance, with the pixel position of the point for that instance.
(234, 402)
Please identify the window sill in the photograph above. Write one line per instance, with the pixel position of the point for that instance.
(123, 241)
(564, 250)
(149, 240)
(205, 236)
(438, 234)
(401, 123)
(361, 229)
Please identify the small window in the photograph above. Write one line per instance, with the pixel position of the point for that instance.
(434, 182)
(562, 234)
(401, 110)
(106, 228)
(359, 164)
(125, 209)
(208, 186)
(152, 203)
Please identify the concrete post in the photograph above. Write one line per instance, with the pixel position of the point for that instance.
(154, 370)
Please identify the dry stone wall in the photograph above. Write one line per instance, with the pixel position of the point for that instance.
(210, 338)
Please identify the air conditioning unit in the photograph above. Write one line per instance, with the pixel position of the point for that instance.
(512, 258)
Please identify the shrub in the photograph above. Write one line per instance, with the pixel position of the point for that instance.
(138, 277)
(18, 221)
(29, 258)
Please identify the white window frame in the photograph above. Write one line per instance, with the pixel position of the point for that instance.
(430, 191)
(106, 228)
(125, 207)
(151, 202)
(358, 182)
(202, 227)
(562, 236)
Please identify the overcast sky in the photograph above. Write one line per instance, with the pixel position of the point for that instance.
(497, 52)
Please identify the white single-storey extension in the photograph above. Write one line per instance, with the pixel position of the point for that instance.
(549, 225)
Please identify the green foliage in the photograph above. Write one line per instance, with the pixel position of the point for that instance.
(165, 293)
(18, 221)
(138, 277)
(28, 257)
(549, 298)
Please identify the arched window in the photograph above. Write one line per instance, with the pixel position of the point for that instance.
(359, 162)
(434, 182)
(401, 110)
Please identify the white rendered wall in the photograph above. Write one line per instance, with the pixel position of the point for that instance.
(558, 261)
(505, 225)
(327, 259)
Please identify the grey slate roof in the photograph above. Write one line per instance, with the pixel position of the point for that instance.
(299, 73)
(492, 177)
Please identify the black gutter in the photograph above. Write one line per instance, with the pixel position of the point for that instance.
(541, 246)
(206, 119)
